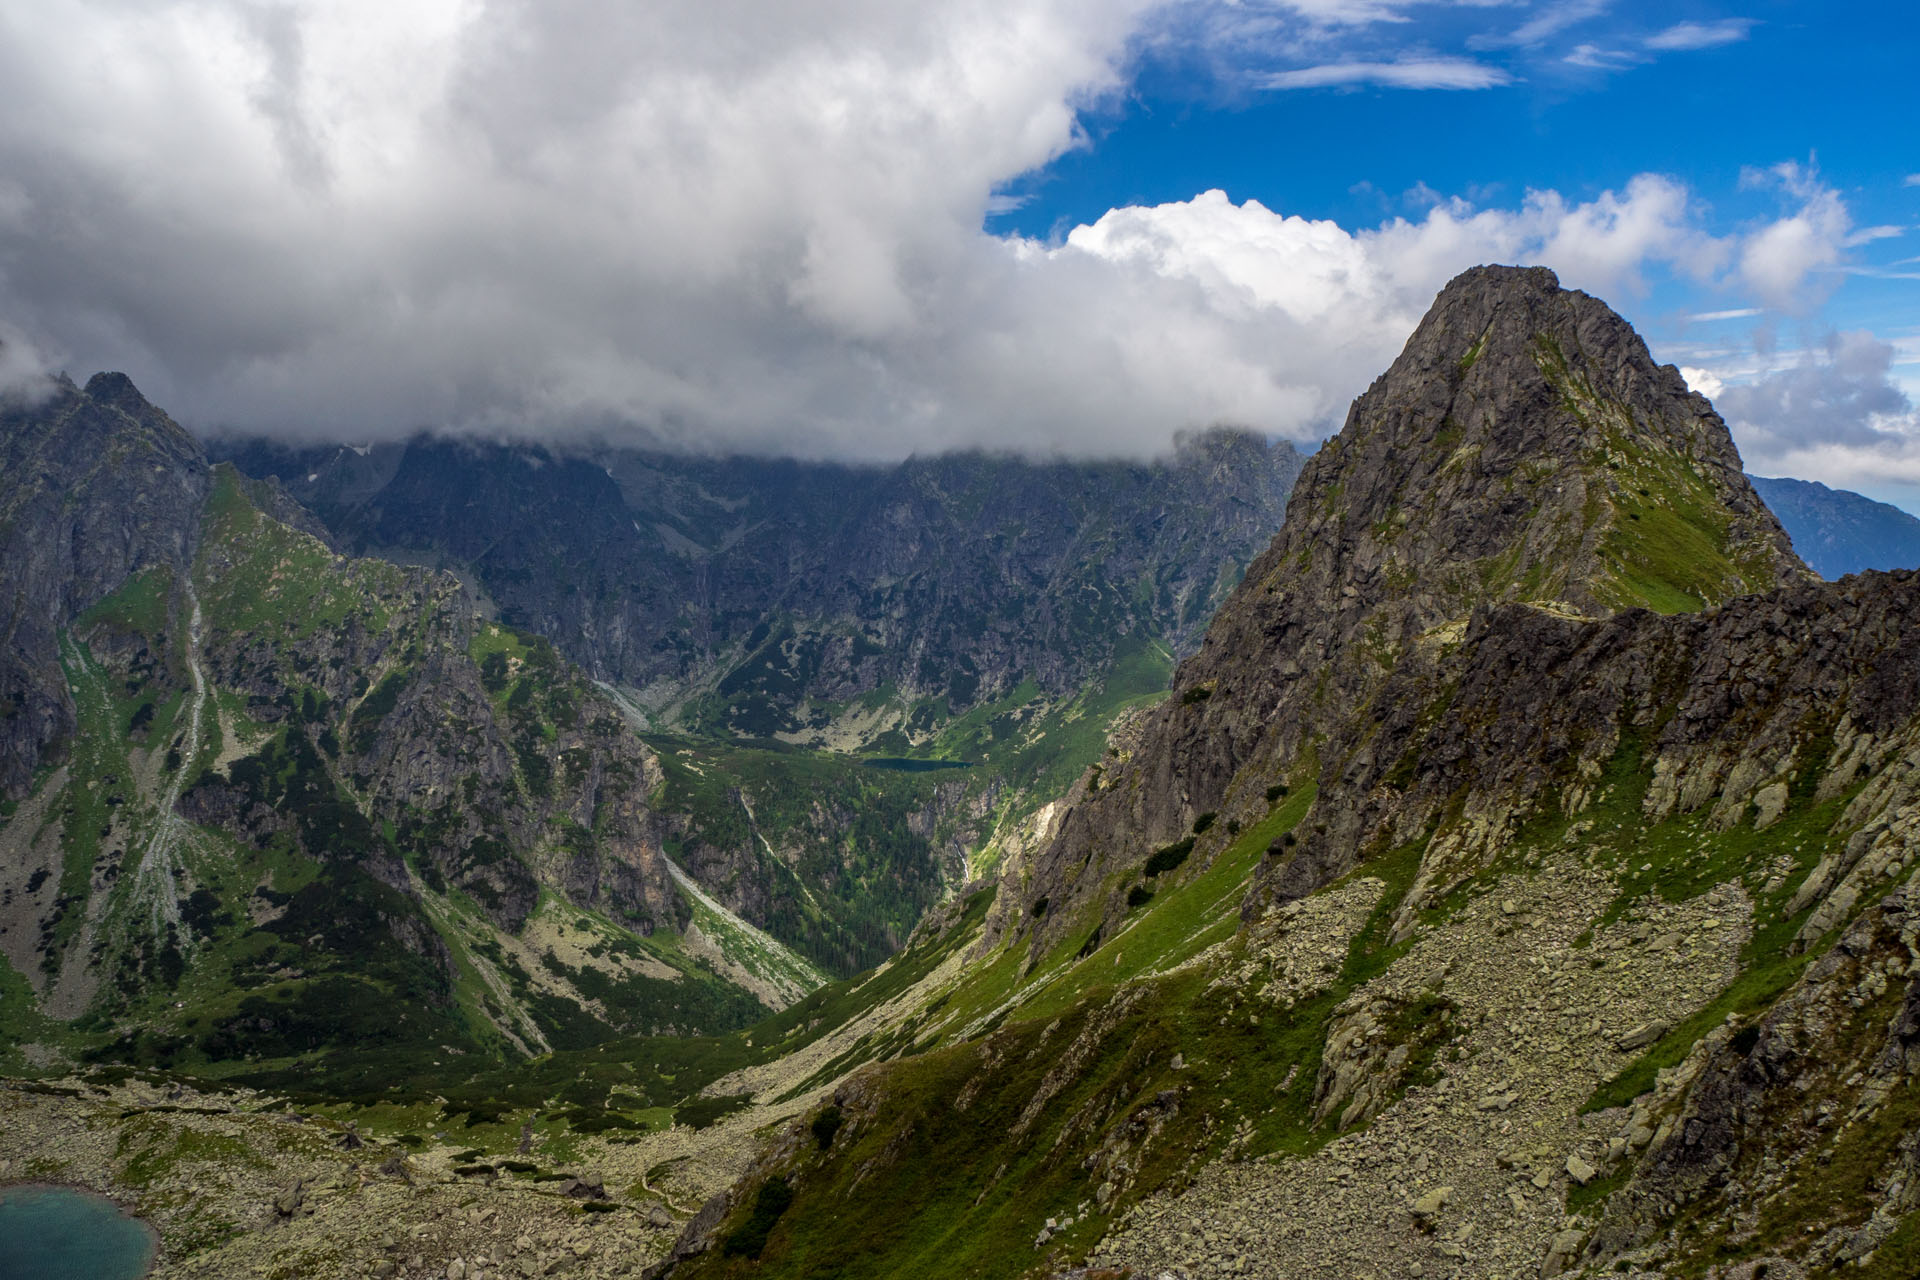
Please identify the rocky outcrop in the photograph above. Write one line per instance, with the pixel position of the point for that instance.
(1801, 692)
(695, 1239)
(499, 790)
(95, 485)
(1802, 1118)
(1523, 452)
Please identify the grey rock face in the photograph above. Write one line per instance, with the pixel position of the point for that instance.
(551, 791)
(95, 485)
(1808, 1107)
(696, 1238)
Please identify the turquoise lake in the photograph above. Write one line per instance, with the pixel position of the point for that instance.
(52, 1233)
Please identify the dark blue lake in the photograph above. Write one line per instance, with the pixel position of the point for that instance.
(53, 1233)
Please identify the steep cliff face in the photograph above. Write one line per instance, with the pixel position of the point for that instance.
(1523, 449)
(823, 603)
(95, 484)
(497, 765)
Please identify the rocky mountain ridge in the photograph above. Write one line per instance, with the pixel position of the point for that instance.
(1837, 532)
(99, 484)
(826, 604)
(273, 802)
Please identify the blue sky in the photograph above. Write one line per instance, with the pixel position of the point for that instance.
(1364, 122)
(1786, 82)
(862, 228)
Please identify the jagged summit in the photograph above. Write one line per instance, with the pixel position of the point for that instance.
(1524, 448)
(95, 485)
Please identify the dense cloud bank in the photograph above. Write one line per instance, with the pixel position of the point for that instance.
(717, 224)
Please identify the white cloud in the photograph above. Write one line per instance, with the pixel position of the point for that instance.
(1415, 73)
(1913, 180)
(1867, 235)
(1701, 35)
(1681, 37)
(736, 224)
(1595, 58)
(707, 216)
(23, 373)
(1343, 13)
(1839, 393)
(1290, 317)
(1549, 22)
(1735, 313)
(1835, 414)
(1789, 264)
(1705, 381)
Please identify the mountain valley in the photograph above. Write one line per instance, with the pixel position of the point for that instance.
(455, 861)
(326, 778)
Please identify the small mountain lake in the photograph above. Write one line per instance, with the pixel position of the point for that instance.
(57, 1233)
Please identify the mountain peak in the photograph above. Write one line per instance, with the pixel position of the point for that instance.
(1525, 447)
(116, 389)
(115, 392)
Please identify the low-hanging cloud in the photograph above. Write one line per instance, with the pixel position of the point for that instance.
(1835, 414)
(724, 224)
(23, 376)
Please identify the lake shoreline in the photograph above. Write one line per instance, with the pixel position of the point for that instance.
(119, 1201)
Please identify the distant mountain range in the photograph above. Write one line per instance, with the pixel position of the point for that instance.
(263, 798)
(859, 607)
(1838, 532)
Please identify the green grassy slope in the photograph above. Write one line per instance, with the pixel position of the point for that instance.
(1013, 1093)
(297, 932)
